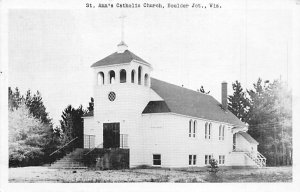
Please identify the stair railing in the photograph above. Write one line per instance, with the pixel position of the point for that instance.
(98, 146)
(63, 146)
(258, 158)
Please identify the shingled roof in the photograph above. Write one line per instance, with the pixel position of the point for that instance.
(188, 102)
(117, 58)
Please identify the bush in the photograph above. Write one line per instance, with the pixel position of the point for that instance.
(213, 165)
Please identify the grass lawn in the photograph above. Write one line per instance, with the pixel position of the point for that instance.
(43, 174)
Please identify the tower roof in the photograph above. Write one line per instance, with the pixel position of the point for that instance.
(117, 58)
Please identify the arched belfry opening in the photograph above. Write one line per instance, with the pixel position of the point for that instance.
(123, 76)
(140, 75)
(132, 75)
(100, 78)
(112, 77)
(146, 80)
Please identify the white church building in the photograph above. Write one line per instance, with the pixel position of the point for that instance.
(160, 123)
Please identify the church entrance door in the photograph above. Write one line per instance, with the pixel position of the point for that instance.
(111, 135)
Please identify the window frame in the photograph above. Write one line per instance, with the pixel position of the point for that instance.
(123, 74)
(100, 78)
(194, 128)
(221, 160)
(192, 160)
(221, 132)
(156, 159)
(207, 158)
(190, 127)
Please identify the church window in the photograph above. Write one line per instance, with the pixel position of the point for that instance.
(156, 159)
(207, 159)
(140, 75)
(123, 76)
(221, 159)
(112, 96)
(112, 77)
(100, 78)
(194, 128)
(221, 132)
(146, 79)
(207, 130)
(132, 76)
(190, 128)
(192, 159)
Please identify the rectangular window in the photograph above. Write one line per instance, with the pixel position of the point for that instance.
(156, 159)
(221, 159)
(207, 159)
(192, 159)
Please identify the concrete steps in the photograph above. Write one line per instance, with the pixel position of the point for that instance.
(73, 160)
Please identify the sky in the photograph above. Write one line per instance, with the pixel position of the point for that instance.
(51, 50)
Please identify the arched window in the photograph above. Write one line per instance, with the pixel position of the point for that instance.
(140, 75)
(123, 76)
(132, 75)
(190, 128)
(220, 132)
(100, 78)
(146, 79)
(206, 130)
(209, 131)
(194, 128)
(112, 76)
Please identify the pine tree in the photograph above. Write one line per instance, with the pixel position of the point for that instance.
(90, 108)
(72, 124)
(270, 120)
(238, 102)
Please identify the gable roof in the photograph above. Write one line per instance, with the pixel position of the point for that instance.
(117, 58)
(248, 137)
(157, 107)
(188, 102)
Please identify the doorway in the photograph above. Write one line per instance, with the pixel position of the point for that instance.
(111, 135)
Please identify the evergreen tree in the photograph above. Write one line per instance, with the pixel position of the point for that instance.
(36, 106)
(90, 108)
(269, 120)
(14, 98)
(238, 102)
(72, 125)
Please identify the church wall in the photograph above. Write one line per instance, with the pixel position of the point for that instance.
(175, 145)
(89, 126)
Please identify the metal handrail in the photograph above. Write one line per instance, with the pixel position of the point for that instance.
(63, 146)
(93, 149)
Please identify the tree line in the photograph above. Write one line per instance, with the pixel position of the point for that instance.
(267, 109)
(32, 135)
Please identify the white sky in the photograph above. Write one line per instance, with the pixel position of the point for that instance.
(51, 50)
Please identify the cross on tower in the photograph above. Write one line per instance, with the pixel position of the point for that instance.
(122, 17)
